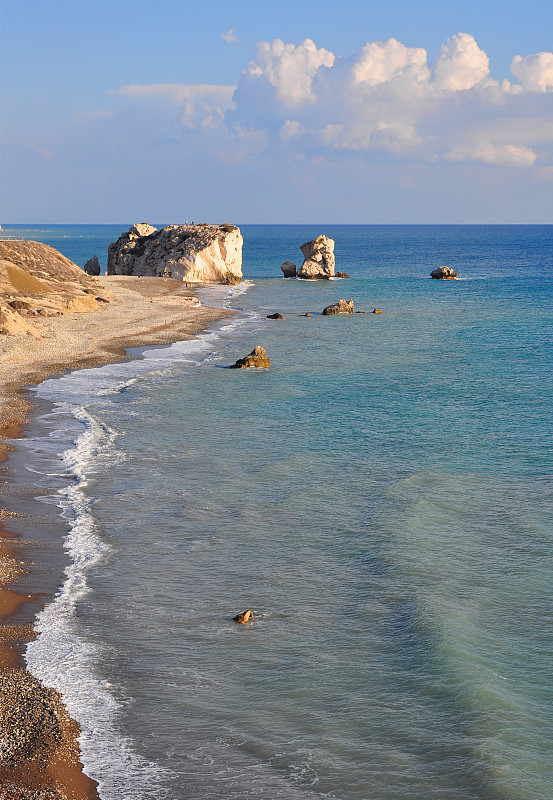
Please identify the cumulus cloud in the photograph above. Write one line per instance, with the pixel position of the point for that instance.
(230, 37)
(290, 68)
(535, 72)
(386, 99)
(379, 62)
(461, 64)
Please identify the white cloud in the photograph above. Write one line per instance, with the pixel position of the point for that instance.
(379, 62)
(178, 92)
(461, 64)
(290, 129)
(386, 100)
(290, 68)
(331, 134)
(534, 72)
(230, 37)
(509, 155)
(201, 105)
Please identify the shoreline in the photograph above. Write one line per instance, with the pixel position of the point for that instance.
(141, 313)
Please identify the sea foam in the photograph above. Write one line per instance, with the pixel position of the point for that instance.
(62, 659)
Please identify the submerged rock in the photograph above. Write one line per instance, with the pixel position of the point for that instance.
(341, 307)
(319, 259)
(257, 358)
(289, 269)
(92, 266)
(192, 253)
(444, 273)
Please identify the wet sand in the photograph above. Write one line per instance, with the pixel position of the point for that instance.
(39, 752)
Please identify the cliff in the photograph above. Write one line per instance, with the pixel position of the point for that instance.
(192, 253)
(36, 280)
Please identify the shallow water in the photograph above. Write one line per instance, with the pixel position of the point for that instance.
(381, 498)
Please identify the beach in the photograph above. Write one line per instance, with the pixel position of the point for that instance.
(150, 311)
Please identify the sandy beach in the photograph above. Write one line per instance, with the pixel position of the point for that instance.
(38, 739)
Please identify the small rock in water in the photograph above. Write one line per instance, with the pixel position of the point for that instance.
(444, 273)
(341, 275)
(377, 311)
(307, 314)
(247, 616)
(276, 315)
(341, 307)
(289, 269)
(257, 358)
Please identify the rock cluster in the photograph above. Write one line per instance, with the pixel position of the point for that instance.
(341, 307)
(257, 358)
(192, 253)
(444, 273)
(318, 259)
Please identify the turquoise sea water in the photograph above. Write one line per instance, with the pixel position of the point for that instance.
(381, 498)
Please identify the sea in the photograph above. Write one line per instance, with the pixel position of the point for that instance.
(381, 499)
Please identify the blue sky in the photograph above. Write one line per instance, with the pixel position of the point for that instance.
(292, 112)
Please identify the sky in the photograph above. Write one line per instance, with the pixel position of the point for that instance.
(419, 112)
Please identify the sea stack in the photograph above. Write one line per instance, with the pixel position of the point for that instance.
(192, 253)
(92, 266)
(319, 259)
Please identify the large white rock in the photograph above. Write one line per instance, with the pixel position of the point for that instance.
(319, 258)
(193, 253)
